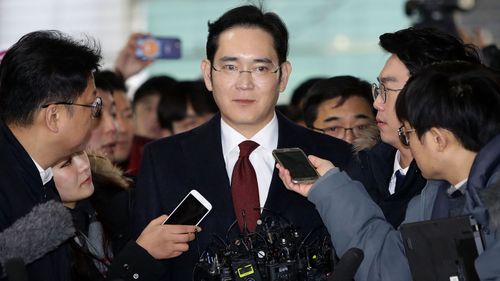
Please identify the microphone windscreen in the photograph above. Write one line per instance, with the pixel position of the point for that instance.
(42, 230)
(348, 265)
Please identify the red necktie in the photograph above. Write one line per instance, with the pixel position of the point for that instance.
(244, 188)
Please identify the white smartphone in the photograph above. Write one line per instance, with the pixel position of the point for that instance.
(191, 210)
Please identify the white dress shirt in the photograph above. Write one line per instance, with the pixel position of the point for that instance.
(45, 175)
(396, 167)
(261, 158)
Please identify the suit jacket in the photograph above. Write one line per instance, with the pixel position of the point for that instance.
(20, 190)
(171, 167)
(374, 170)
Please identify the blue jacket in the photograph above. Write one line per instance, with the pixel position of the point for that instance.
(354, 220)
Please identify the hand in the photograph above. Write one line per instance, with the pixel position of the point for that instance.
(322, 166)
(127, 64)
(164, 241)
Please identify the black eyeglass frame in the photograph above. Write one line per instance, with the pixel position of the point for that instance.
(403, 135)
(376, 91)
(248, 71)
(331, 129)
(96, 106)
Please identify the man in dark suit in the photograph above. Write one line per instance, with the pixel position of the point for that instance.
(388, 170)
(46, 92)
(246, 69)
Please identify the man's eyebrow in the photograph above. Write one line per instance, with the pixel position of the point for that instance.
(386, 79)
(331, 118)
(227, 58)
(335, 118)
(263, 60)
(361, 116)
(258, 60)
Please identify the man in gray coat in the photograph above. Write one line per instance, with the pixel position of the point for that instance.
(451, 124)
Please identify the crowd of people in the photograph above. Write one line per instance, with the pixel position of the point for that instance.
(422, 143)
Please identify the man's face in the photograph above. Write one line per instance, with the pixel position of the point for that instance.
(146, 117)
(393, 77)
(191, 121)
(77, 127)
(355, 114)
(125, 128)
(424, 152)
(246, 100)
(103, 136)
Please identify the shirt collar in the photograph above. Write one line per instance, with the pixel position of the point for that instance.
(398, 167)
(459, 186)
(267, 137)
(45, 175)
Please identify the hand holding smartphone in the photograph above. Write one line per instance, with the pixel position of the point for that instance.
(154, 47)
(191, 210)
(296, 161)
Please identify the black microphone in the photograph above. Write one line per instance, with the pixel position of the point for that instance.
(42, 230)
(348, 265)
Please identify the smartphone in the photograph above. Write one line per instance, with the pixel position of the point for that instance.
(295, 160)
(154, 47)
(191, 210)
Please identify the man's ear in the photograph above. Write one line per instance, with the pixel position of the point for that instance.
(206, 70)
(440, 138)
(285, 71)
(52, 117)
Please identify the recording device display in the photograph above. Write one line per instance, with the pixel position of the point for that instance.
(295, 160)
(276, 251)
(154, 47)
(191, 210)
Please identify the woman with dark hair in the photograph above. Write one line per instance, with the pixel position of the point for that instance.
(98, 197)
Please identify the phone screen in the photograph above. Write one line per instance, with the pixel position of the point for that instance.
(189, 212)
(153, 47)
(297, 163)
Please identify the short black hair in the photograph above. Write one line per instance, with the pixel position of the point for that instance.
(43, 67)
(419, 47)
(344, 87)
(108, 80)
(156, 85)
(461, 97)
(172, 107)
(249, 16)
(300, 92)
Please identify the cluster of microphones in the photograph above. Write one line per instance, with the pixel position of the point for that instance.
(276, 251)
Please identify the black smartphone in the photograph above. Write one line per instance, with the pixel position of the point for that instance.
(296, 161)
(191, 210)
(155, 47)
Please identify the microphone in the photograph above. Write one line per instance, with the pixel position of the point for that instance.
(42, 230)
(348, 265)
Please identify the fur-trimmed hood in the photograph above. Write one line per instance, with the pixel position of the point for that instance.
(367, 139)
(105, 173)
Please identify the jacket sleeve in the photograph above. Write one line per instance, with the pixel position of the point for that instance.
(135, 263)
(354, 220)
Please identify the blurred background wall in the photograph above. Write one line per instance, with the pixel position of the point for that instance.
(327, 37)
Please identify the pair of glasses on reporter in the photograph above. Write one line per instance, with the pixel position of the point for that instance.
(381, 90)
(96, 106)
(339, 131)
(404, 135)
(257, 71)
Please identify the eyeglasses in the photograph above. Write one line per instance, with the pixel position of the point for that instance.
(260, 71)
(340, 132)
(404, 135)
(96, 106)
(381, 90)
